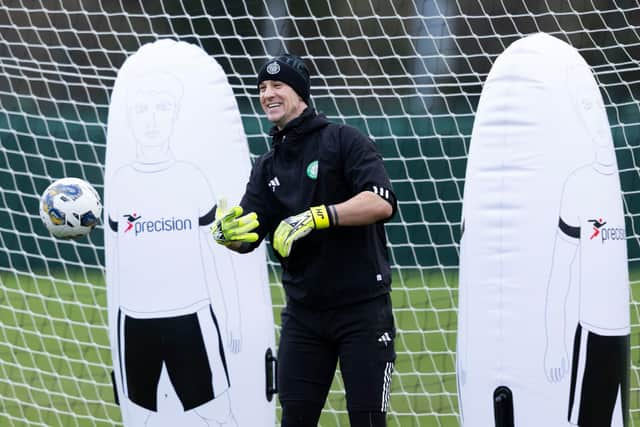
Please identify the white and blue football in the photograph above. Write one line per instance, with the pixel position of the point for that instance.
(70, 208)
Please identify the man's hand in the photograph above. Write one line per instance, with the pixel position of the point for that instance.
(297, 226)
(229, 226)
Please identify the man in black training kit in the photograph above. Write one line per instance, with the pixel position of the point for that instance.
(321, 194)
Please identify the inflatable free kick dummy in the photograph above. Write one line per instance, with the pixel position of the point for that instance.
(191, 325)
(544, 302)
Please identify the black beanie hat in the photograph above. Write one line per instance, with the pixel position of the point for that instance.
(288, 69)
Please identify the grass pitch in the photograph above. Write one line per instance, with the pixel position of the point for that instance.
(55, 358)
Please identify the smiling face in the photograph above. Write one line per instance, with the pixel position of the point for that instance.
(280, 102)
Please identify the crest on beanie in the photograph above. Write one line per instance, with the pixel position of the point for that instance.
(273, 68)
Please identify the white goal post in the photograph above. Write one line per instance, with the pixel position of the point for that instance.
(407, 73)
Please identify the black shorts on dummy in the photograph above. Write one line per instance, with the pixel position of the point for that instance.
(599, 377)
(360, 336)
(178, 343)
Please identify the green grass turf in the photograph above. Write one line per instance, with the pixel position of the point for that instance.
(54, 352)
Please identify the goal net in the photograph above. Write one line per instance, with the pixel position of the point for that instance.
(408, 73)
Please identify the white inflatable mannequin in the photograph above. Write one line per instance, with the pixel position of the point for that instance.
(190, 322)
(539, 122)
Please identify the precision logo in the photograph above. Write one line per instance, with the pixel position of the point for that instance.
(160, 225)
(612, 233)
(606, 233)
(597, 225)
(131, 218)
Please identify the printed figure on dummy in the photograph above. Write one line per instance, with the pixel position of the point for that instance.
(590, 241)
(167, 273)
(541, 155)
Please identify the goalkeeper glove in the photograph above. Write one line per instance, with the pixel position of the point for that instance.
(229, 226)
(297, 226)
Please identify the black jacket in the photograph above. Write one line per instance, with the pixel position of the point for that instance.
(338, 265)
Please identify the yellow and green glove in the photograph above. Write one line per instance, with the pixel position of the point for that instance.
(297, 226)
(230, 226)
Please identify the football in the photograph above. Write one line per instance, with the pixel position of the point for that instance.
(70, 208)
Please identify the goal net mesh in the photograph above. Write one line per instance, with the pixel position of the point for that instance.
(407, 73)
